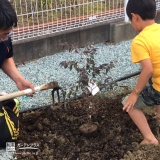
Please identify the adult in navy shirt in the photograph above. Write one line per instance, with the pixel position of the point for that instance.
(9, 122)
(8, 19)
(6, 50)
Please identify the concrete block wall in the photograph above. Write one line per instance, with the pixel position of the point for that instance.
(116, 31)
(123, 31)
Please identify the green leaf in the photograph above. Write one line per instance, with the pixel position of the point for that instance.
(88, 60)
(76, 88)
(92, 57)
(99, 83)
(87, 67)
(1, 114)
(75, 66)
(107, 70)
(70, 67)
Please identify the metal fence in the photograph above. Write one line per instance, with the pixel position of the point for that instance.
(42, 17)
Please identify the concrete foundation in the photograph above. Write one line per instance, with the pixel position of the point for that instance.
(38, 47)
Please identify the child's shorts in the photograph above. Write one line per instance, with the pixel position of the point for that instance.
(148, 97)
(9, 122)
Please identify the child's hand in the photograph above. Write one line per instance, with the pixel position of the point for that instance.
(131, 101)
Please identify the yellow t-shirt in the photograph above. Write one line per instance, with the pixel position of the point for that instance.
(146, 45)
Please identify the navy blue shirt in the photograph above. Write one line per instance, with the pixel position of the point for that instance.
(6, 51)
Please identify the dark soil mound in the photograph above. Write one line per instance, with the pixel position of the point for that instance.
(56, 133)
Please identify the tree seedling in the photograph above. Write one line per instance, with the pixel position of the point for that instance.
(88, 74)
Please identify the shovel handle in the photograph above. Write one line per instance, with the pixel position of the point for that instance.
(50, 85)
(20, 93)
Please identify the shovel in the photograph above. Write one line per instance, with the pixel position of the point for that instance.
(51, 85)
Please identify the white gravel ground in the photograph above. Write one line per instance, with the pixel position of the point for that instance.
(48, 69)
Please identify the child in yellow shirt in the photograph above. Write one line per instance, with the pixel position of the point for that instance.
(145, 49)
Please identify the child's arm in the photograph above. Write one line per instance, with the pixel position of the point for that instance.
(145, 74)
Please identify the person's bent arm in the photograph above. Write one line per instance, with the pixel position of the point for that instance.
(10, 69)
(144, 76)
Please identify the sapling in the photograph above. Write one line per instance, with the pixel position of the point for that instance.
(88, 74)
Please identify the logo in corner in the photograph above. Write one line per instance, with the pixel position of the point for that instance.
(10, 146)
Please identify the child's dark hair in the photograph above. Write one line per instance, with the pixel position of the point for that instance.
(146, 9)
(8, 16)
